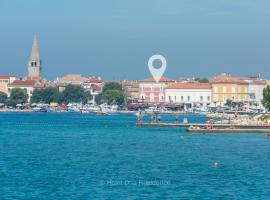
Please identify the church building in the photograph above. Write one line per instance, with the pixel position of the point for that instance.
(34, 63)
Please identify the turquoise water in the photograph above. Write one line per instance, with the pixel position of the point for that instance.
(79, 156)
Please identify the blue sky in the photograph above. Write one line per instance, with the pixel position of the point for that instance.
(115, 38)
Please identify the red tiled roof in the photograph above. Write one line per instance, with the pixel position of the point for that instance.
(190, 86)
(23, 83)
(7, 76)
(258, 81)
(94, 80)
(162, 79)
(253, 80)
(95, 87)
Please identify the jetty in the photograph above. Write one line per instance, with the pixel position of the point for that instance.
(201, 125)
(228, 130)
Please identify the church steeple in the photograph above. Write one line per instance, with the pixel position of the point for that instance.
(34, 64)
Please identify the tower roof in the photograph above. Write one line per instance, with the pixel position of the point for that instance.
(35, 51)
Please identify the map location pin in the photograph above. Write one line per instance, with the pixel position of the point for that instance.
(157, 72)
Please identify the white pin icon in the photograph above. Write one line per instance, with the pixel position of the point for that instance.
(157, 72)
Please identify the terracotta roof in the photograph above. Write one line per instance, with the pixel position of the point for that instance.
(95, 87)
(23, 83)
(253, 80)
(7, 76)
(94, 80)
(190, 86)
(162, 79)
(228, 79)
(258, 81)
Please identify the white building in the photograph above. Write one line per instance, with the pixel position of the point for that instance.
(255, 90)
(189, 94)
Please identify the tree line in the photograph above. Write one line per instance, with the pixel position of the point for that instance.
(112, 94)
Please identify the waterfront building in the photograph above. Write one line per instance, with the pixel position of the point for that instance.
(153, 92)
(189, 94)
(35, 62)
(226, 87)
(4, 81)
(94, 85)
(255, 89)
(131, 89)
(27, 85)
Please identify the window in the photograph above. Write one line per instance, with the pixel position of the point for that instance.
(233, 89)
(224, 89)
(182, 98)
(201, 98)
(208, 98)
(216, 89)
(174, 98)
(33, 64)
(188, 98)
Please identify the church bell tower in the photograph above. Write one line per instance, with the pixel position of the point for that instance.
(34, 63)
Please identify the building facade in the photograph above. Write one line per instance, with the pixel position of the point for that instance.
(151, 91)
(27, 85)
(131, 89)
(227, 87)
(4, 81)
(189, 94)
(255, 90)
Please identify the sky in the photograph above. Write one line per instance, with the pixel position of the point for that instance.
(115, 38)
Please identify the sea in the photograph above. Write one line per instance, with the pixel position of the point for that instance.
(62, 156)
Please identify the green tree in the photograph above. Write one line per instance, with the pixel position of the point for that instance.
(112, 94)
(202, 80)
(46, 95)
(229, 102)
(266, 97)
(3, 97)
(112, 86)
(74, 93)
(17, 96)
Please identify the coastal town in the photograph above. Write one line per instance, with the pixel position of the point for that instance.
(221, 92)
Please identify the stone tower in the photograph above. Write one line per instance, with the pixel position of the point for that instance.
(34, 64)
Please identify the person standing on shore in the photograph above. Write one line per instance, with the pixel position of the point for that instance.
(176, 118)
(151, 118)
(158, 118)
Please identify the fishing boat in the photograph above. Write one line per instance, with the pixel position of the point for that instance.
(109, 109)
(39, 109)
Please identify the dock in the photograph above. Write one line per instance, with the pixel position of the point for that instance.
(201, 125)
(194, 130)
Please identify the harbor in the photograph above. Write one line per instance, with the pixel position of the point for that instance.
(220, 123)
